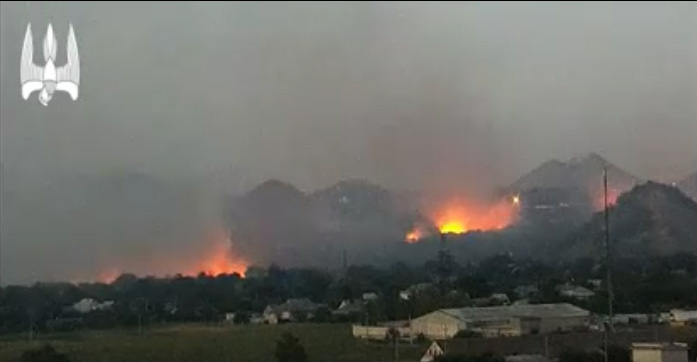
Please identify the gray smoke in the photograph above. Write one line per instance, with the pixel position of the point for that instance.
(207, 98)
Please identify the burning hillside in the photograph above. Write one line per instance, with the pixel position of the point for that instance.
(458, 216)
(214, 257)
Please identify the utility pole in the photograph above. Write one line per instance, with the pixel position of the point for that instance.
(608, 266)
(31, 327)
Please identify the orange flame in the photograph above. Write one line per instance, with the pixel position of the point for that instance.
(217, 259)
(414, 235)
(459, 217)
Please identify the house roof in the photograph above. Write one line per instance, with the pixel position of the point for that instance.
(527, 358)
(575, 289)
(660, 346)
(350, 307)
(523, 310)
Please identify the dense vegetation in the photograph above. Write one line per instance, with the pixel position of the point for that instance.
(640, 286)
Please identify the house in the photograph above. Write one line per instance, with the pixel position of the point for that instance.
(514, 320)
(595, 283)
(370, 296)
(349, 308)
(659, 352)
(257, 318)
(575, 292)
(500, 298)
(87, 305)
(683, 317)
(293, 310)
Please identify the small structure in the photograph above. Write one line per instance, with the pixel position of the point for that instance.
(87, 305)
(434, 351)
(527, 358)
(575, 292)
(293, 310)
(500, 298)
(257, 318)
(680, 317)
(348, 309)
(370, 296)
(659, 352)
(596, 283)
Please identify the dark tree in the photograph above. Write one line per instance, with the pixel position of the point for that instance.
(289, 349)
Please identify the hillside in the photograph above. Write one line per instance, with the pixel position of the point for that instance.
(569, 192)
(271, 223)
(651, 219)
(578, 173)
(354, 203)
(689, 186)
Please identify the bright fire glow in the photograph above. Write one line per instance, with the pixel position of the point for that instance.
(599, 198)
(216, 257)
(452, 227)
(219, 261)
(414, 235)
(516, 200)
(460, 217)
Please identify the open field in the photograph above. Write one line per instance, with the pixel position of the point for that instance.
(323, 342)
(197, 343)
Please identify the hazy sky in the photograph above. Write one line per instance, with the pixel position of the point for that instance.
(409, 95)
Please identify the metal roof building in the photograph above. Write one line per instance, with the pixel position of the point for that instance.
(502, 320)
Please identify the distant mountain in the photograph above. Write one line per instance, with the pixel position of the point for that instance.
(689, 186)
(352, 203)
(276, 222)
(569, 192)
(651, 219)
(578, 173)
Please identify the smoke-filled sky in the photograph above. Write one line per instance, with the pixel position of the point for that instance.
(413, 96)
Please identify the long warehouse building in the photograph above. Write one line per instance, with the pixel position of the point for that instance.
(514, 320)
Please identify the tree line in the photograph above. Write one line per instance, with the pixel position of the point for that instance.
(641, 286)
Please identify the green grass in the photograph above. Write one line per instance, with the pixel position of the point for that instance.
(197, 343)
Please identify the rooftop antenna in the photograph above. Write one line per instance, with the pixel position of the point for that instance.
(608, 265)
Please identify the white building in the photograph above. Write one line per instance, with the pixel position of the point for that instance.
(575, 292)
(87, 305)
(370, 296)
(511, 320)
(659, 352)
(683, 317)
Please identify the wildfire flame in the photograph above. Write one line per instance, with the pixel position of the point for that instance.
(414, 235)
(217, 259)
(599, 198)
(459, 217)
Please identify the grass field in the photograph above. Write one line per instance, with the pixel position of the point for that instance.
(196, 343)
(323, 342)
